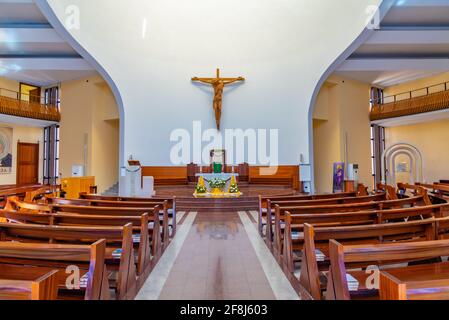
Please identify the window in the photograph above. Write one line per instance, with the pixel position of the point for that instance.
(51, 155)
(377, 150)
(377, 96)
(51, 96)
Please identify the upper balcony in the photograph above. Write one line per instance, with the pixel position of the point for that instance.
(423, 100)
(27, 106)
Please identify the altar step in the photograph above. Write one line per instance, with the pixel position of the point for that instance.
(213, 204)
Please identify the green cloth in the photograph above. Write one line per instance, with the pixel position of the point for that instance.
(218, 167)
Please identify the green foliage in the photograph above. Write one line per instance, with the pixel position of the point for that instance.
(217, 183)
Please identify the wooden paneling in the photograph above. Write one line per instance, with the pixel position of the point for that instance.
(74, 185)
(27, 163)
(166, 175)
(284, 175)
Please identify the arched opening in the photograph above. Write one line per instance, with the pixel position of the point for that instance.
(402, 162)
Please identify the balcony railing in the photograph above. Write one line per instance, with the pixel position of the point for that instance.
(27, 106)
(423, 100)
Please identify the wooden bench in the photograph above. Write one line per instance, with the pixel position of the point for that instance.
(171, 204)
(295, 223)
(90, 259)
(351, 207)
(263, 203)
(341, 255)
(116, 238)
(271, 203)
(421, 282)
(147, 236)
(389, 190)
(116, 211)
(28, 283)
(318, 238)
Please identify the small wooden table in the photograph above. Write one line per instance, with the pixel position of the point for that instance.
(422, 282)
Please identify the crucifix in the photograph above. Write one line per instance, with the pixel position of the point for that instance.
(218, 84)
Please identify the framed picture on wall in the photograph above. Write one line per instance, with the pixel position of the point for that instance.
(339, 177)
(5, 150)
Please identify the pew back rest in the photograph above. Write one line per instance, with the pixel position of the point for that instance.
(87, 257)
(104, 203)
(341, 254)
(14, 204)
(72, 234)
(107, 211)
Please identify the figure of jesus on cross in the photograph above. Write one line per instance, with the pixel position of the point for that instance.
(218, 84)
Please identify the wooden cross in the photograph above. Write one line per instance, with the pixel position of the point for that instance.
(218, 84)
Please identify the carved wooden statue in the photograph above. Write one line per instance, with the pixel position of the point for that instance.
(218, 84)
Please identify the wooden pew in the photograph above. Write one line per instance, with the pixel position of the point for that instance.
(40, 193)
(171, 204)
(295, 223)
(263, 203)
(116, 238)
(351, 207)
(271, 203)
(341, 255)
(389, 190)
(28, 283)
(116, 211)
(15, 204)
(88, 258)
(422, 282)
(146, 230)
(439, 189)
(16, 190)
(318, 238)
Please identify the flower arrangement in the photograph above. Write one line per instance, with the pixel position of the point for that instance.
(217, 183)
(201, 188)
(234, 188)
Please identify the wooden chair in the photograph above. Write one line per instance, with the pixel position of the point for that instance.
(88, 258)
(342, 255)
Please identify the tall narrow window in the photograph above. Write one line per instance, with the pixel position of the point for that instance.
(52, 96)
(377, 150)
(51, 155)
(377, 96)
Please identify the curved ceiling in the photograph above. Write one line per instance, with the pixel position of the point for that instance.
(31, 50)
(412, 43)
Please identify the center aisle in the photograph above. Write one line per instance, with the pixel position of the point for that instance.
(214, 258)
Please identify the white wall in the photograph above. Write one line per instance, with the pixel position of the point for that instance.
(27, 135)
(282, 47)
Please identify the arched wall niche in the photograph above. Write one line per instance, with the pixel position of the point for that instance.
(389, 164)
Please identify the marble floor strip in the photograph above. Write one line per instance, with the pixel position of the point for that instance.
(156, 281)
(281, 286)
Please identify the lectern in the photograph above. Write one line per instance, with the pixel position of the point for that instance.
(132, 184)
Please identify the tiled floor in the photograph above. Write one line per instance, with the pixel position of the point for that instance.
(218, 261)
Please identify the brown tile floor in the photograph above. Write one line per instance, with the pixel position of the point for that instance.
(217, 262)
